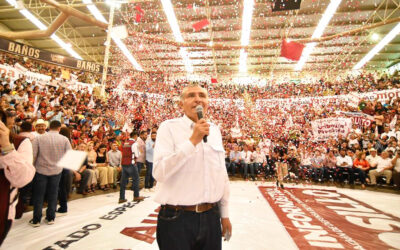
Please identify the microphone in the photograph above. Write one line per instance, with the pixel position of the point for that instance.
(199, 111)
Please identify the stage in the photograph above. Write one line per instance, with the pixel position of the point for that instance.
(263, 217)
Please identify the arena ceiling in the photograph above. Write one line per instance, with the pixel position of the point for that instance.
(225, 27)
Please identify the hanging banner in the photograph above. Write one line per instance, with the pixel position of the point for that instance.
(324, 129)
(50, 57)
(360, 119)
(318, 219)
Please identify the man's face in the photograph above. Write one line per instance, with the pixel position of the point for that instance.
(82, 147)
(114, 146)
(193, 97)
(143, 136)
(385, 154)
(41, 128)
(153, 136)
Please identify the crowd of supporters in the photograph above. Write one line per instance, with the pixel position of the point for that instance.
(272, 142)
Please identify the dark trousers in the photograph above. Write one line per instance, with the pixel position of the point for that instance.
(83, 184)
(185, 230)
(251, 167)
(129, 171)
(149, 180)
(139, 166)
(42, 185)
(361, 175)
(234, 166)
(350, 172)
(64, 188)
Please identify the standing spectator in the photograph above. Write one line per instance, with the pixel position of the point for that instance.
(47, 151)
(40, 127)
(141, 147)
(26, 130)
(384, 167)
(129, 169)
(149, 180)
(114, 161)
(16, 170)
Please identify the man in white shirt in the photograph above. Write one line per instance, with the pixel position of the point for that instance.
(40, 127)
(259, 160)
(192, 179)
(372, 158)
(384, 167)
(246, 156)
(344, 164)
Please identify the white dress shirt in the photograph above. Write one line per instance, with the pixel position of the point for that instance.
(188, 174)
(246, 156)
(259, 157)
(340, 160)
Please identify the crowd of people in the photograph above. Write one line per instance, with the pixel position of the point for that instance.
(260, 142)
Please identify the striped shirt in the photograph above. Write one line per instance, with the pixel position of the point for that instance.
(48, 149)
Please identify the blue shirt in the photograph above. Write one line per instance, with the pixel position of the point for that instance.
(149, 150)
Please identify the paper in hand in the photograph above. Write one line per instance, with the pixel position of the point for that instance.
(72, 159)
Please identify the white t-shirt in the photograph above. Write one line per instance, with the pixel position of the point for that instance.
(383, 163)
(372, 160)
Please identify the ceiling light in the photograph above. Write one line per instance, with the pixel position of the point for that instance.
(246, 28)
(375, 37)
(26, 13)
(243, 61)
(33, 19)
(126, 52)
(246, 21)
(96, 13)
(389, 37)
(327, 16)
(173, 23)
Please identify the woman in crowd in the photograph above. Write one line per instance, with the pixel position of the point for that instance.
(92, 156)
(361, 166)
(106, 173)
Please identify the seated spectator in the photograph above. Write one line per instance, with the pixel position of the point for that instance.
(384, 167)
(344, 163)
(361, 166)
(106, 173)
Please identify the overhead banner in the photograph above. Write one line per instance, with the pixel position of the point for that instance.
(324, 129)
(360, 119)
(318, 219)
(351, 99)
(49, 57)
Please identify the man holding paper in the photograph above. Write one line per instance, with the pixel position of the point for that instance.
(48, 149)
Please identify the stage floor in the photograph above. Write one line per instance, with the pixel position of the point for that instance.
(262, 216)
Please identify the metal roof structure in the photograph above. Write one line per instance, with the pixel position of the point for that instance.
(225, 27)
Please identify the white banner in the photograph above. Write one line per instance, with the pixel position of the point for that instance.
(32, 76)
(324, 129)
(10, 72)
(351, 99)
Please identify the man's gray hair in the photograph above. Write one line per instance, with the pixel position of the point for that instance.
(190, 85)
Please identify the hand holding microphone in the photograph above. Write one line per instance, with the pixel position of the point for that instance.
(201, 128)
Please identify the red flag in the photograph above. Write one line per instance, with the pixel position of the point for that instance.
(138, 17)
(199, 25)
(138, 8)
(291, 50)
(213, 80)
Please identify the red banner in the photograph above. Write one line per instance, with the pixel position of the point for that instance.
(318, 219)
